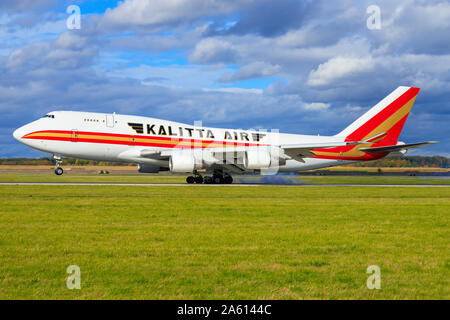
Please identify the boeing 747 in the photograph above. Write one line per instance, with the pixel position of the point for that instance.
(160, 145)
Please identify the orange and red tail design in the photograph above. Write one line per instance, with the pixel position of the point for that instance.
(380, 126)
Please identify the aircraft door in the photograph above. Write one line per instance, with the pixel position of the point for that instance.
(74, 135)
(110, 120)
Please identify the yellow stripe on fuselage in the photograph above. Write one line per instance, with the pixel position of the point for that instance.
(96, 136)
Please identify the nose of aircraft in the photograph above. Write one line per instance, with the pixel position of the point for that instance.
(18, 133)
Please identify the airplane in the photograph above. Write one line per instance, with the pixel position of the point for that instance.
(159, 145)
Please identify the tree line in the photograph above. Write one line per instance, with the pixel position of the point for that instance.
(394, 162)
(408, 162)
(51, 161)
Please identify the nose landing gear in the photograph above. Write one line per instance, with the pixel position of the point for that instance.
(58, 170)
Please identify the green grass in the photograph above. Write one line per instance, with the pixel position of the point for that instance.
(91, 177)
(224, 242)
(164, 178)
(375, 180)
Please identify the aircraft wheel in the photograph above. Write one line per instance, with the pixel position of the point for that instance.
(59, 171)
(228, 179)
(218, 180)
(190, 179)
(207, 180)
(198, 179)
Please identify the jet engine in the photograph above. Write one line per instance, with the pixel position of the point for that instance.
(145, 168)
(262, 159)
(257, 159)
(184, 162)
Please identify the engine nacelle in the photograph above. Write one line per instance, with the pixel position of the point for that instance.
(257, 159)
(145, 168)
(263, 158)
(184, 162)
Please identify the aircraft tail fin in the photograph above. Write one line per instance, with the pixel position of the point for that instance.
(382, 124)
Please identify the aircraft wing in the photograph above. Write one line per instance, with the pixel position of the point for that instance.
(296, 151)
(216, 156)
(155, 154)
(397, 147)
(287, 151)
(300, 151)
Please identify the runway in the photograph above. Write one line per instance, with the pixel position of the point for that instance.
(217, 185)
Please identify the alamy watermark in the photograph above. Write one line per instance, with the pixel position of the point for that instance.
(374, 280)
(373, 22)
(74, 279)
(73, 22)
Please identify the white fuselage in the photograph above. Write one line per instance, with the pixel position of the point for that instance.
(114, 137)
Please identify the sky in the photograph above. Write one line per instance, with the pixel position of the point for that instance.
(307, 67)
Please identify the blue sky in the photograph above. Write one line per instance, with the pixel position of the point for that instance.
(307, 67)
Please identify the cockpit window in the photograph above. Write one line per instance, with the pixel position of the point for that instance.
(51, 116)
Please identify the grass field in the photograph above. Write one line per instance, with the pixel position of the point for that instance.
(224, 242)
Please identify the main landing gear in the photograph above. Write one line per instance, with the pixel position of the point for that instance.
(216, 178)
(58, 170)
(194, 179)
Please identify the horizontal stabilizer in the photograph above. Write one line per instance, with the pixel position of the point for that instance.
(319, 145)
(300, 151)
(397, 147)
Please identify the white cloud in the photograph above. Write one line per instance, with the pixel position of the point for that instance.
(316, 106)
(213, 50)
(156, 13)
(256, 69)
(337, 68)
(234, 90)
(175, 76)
(25, 5)
(67, 51)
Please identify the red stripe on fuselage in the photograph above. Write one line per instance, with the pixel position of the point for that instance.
(193, 143)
